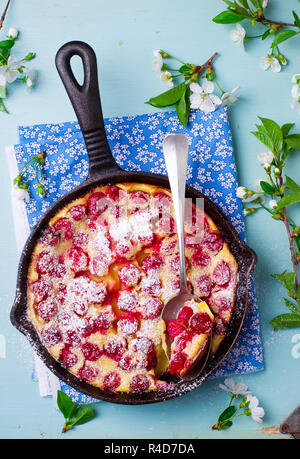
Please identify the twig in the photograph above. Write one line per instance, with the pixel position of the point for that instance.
(4, 14)
(200, 68)
(264, 20)
(290, 238)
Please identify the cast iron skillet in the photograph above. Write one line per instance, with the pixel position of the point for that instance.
(104, 170)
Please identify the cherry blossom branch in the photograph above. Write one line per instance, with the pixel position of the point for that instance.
(264, 20)
(4, 14)
(201, 68)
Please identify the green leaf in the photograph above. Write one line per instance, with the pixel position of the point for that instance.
(288, 200)
(82, 415)
(224, 425)
(2, 92)
(293, 141)
(7, 44)
(285, 129)
(169, 97)
(2, 107)
(267, 188)
(291, 184)
(297, 19)
(263, 138)
(183, 107)
(274, 132)
(292, 307)
(283, 36)
(266, 34)
(285, 321)
(227, 413)
(29, 57)
(64, 404)
(227, 17)
(287, 280)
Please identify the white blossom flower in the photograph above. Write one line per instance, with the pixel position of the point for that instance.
(31, 77)
(241, 192)
(273, 204)
(228, 98)
(234, 388)
(10, 71)
(202, 97)
(238, 35)
(257, 412)
(157, 61)
(295, 105)
(20, 193)
(296, 79)
(252, 197)
(295, 92)
(265, 158)
(265, 3)
(270, 61)
(13, 32)
(166, 77)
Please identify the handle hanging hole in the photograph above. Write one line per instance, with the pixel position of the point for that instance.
(77, 69)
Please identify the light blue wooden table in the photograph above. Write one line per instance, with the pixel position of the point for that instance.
(124, 34)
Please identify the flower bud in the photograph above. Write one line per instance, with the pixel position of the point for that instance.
(210, 76)
(273, 204)
(247, 412)
(40, 190)
(13, 32)
(241, 192)
(277, 172)
(18, 180)
(282, 59)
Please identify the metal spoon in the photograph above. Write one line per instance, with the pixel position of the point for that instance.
(176, 149)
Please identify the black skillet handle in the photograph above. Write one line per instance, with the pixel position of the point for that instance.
(86, 103)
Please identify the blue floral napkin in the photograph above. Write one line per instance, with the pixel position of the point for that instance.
(136, 145)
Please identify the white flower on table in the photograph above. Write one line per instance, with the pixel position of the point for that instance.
(266, 158)
(166, 77)
(157, 61)
(13, 32)
(270, 61)
(10, 72)
(202, 97)
(228, 98)
(234, 388)
(296, 79)
(20, 193)
(31, 77)
(265, 3)
(238, 35)
(241, 192)
(295, 103)
(257, 412)
(273, 204)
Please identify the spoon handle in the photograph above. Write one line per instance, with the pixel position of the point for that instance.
(176, 150)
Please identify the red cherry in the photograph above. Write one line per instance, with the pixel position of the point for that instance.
(79, 259)
(220, 304)
(220, 326)
(167, 224)
(151, 360)
(213, 242)
(151, 308)
(80, 307)
(139, 197)
(88, 373)
(88, 327)
(129, 275)
(201, 323)
(204, 285)
(49, 237)
(80, 239)
(91, 351)
(64, 227)
(176, 364)
(78, 212)
(46, 309)
(70, 337)
(139, 383)
(99, 265)
(151, 285)
(152, 263)
(68, 358)
(97, 203)
(222, 273)
(40, 289)
(113, 193)
(200, 258)
(46, 263)
(60, 293)
(115, 348)
(111, 381)
(127, 300)
(174, 328)
(128, 326)
(126, 363)
(161, 201)
(96, 292)
(103, 321)
(184, 315)
(142, 344)
(52, 336)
